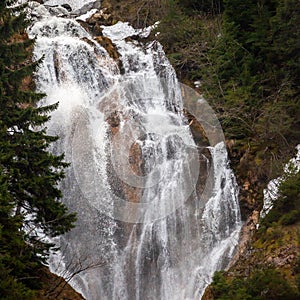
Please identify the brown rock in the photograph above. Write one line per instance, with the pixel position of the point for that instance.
(208, 294)
(106, 43)
(101, 18)
(56, 288)
(247, 232)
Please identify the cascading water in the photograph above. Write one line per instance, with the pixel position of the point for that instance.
(144, 229)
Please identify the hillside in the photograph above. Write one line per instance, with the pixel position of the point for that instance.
(243, 56)
(246, 56)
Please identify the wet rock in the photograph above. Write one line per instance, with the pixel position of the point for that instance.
(87, 7)
(135, 37)
(77, 7)
(97, 30)
(37, 11)
(114, 119)
(67, 7)
(247, 232)
(106, 43)
(58, 11)
(34, 4)
(101, 17)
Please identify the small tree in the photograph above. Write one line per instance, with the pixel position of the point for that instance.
(29, 173)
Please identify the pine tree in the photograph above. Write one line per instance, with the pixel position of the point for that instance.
(30, 204)
(254, 81)
(211, 7)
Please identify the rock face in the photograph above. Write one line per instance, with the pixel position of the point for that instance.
(77, 7)
(277, 248)
(56, 288)
(248, 230)
(124, 259)
(106, 43)
(101, 18)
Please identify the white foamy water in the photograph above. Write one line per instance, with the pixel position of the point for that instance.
(147, 235)
(272, 190)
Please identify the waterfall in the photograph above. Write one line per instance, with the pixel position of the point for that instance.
(148, 227)
(271, 193)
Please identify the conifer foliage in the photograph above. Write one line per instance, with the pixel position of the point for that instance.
(253, 83)
(30, 206)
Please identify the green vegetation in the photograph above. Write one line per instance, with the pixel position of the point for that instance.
(266, 284)
(182, 43)
(286, 209)
(29, 173)
(247, 56)
(270, 269)
(248, 60)
(254, 80)
(211, 7)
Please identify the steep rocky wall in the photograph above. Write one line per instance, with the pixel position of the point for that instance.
(279, 247)
(56, 288)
